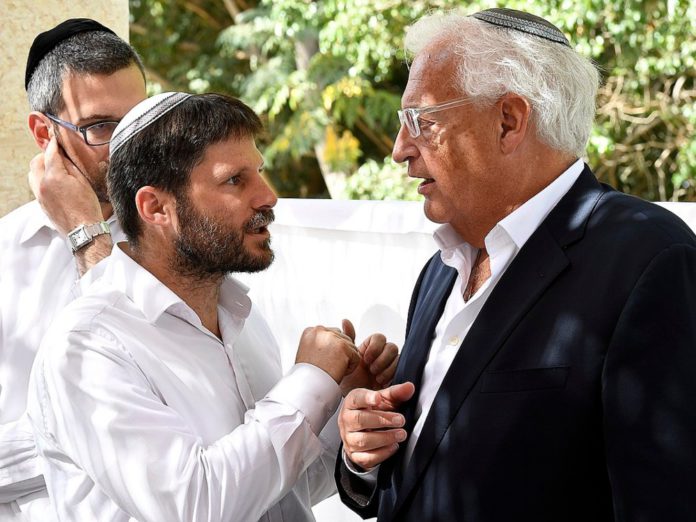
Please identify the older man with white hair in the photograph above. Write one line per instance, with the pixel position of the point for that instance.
(548, 372)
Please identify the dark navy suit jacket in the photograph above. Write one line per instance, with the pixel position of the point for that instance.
(573, 396)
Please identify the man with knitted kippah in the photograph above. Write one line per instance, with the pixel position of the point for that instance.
(81, 79)
(158, 395)
(549, 368)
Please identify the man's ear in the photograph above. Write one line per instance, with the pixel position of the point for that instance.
(156, 207)
(514, 113)
(41, 129)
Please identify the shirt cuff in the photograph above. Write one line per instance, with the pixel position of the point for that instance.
(330, 436)
(369, 476)
(20, 466)
(310, 390)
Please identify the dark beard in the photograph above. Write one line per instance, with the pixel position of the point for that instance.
(205, 249)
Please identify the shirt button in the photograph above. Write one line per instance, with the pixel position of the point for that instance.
(453, 341)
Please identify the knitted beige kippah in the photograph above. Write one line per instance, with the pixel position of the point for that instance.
(142, 115)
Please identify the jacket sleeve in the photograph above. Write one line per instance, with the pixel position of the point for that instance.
(359, 495)
(649, 393)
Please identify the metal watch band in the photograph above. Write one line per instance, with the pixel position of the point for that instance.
(96, 229)
(83, 235)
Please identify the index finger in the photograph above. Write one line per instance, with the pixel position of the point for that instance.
(372, 347)
(53, 155)
(395, 394)
(59, 162)
(36, 172)
(362, 398)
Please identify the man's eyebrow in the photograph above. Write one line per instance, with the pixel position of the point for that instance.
(95, 118)
(238, 170)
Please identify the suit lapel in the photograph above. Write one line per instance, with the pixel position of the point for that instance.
(436, 288)
(432, 292)
(534, 268)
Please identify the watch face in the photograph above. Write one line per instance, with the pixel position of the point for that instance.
(79, 237)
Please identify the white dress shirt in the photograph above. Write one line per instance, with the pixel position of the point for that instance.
(503, 243)
(143, 414)
(38, 278)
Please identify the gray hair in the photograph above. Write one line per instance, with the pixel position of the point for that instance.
(560, 85)
(93, 52)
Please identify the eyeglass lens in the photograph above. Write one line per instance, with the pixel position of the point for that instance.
(100, 133)
(409, 118)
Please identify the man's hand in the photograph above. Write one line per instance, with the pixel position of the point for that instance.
(370, 428)
(328, 349)
(378, 360)
(63, 192)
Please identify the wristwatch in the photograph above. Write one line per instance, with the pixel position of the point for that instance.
(83, 235)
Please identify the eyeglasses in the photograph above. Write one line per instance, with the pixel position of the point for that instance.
(409, 117)
(95, 134)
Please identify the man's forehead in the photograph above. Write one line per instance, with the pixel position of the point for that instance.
(435, 55)
(232, 155)
(432, 71)
(130, 74)
(234, 148)
(87, 96)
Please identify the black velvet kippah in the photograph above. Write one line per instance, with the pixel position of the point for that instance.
(45, 42)
(524, 22)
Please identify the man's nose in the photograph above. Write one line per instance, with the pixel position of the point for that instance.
(265, 198)
(404, 146)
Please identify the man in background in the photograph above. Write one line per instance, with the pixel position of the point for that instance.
(81, 79)
(552, 340)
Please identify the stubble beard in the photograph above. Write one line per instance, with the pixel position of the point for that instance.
(97, 178)
(95, 175)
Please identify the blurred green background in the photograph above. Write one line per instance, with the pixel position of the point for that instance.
(327, 77)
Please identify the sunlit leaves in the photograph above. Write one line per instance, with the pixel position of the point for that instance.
(327, 77)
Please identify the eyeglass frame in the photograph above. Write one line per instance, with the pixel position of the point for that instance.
(82, 130)
(415, 113)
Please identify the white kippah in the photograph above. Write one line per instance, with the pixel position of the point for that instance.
(142, 115)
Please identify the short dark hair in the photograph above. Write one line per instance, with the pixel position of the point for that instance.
(163, 154)
(93, 52)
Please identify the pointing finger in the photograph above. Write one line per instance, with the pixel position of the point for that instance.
(397, 393)
(362, 398)
(359, 420)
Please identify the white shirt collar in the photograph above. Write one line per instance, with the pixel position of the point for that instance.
(522, 223)
(38, 220)
(154, 298)
(517, 227)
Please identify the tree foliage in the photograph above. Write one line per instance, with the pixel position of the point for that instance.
(327, 76)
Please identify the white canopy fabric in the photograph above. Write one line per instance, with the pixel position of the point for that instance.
(342, 259)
